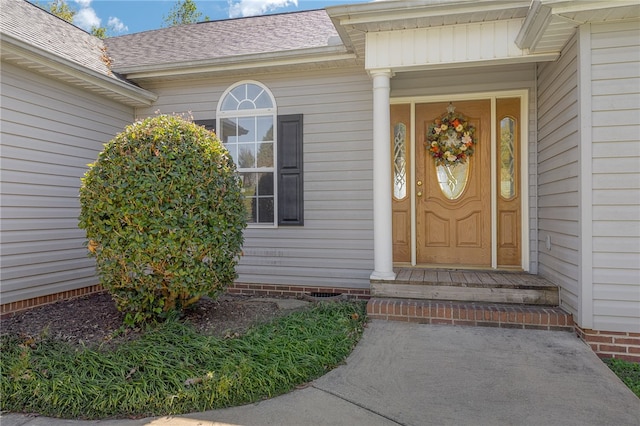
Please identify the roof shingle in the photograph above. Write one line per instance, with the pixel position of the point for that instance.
(39, 28)
(220, 39)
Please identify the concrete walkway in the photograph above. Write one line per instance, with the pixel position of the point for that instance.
(412, 374)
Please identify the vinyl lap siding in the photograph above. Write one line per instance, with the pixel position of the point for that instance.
(50, 132)
(615, 50)
(558, 167)
(334, 248)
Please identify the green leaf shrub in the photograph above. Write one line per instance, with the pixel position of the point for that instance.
(164, 216)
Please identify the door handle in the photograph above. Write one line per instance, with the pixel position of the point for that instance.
(419, 183)
(419, 194)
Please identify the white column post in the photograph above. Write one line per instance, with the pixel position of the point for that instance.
(382, 225)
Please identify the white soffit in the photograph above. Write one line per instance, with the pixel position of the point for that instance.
(550, 23)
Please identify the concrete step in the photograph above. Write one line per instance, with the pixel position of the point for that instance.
(469, 313)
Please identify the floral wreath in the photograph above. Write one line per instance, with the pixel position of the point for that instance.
(450, 139)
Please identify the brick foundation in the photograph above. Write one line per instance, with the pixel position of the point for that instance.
(612, 344)
(276, 290)
(9, 309)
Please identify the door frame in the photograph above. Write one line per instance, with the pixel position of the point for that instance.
(523, 94)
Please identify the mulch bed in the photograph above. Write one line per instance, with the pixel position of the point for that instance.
(94, 320)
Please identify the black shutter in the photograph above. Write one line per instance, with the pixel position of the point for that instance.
(207, 124)
(290, 185)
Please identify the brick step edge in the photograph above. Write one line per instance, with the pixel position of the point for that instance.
(471, 314)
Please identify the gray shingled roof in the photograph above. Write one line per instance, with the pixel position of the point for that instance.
(219, 39)
(34, 26)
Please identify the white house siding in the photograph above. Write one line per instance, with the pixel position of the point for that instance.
(615, 103)
(483, 79)
(50, 132)
(558, 166)
(334, 248)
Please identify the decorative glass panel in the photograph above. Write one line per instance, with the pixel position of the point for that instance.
(400, 161)
(453, 179)
(507, 165)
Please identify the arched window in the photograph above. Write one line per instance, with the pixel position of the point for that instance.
(247, 117)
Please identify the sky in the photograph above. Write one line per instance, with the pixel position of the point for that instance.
(132, 16)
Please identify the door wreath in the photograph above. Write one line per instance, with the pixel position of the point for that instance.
(450, 139)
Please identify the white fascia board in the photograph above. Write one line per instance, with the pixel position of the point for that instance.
(382, 11)
(563, 6)
(12, 45)
(240, 62)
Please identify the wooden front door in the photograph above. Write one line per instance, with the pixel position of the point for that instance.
(453, 207)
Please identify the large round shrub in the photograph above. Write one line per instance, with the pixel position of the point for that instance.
(164, 216)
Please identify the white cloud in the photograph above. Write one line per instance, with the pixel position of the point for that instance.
(86, 18)
(116, 25)
(239, 8)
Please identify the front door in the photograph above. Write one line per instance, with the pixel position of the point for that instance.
(442, 210)
(453, 202)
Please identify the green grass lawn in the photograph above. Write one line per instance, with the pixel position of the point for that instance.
(629, 373)
(172, 369)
